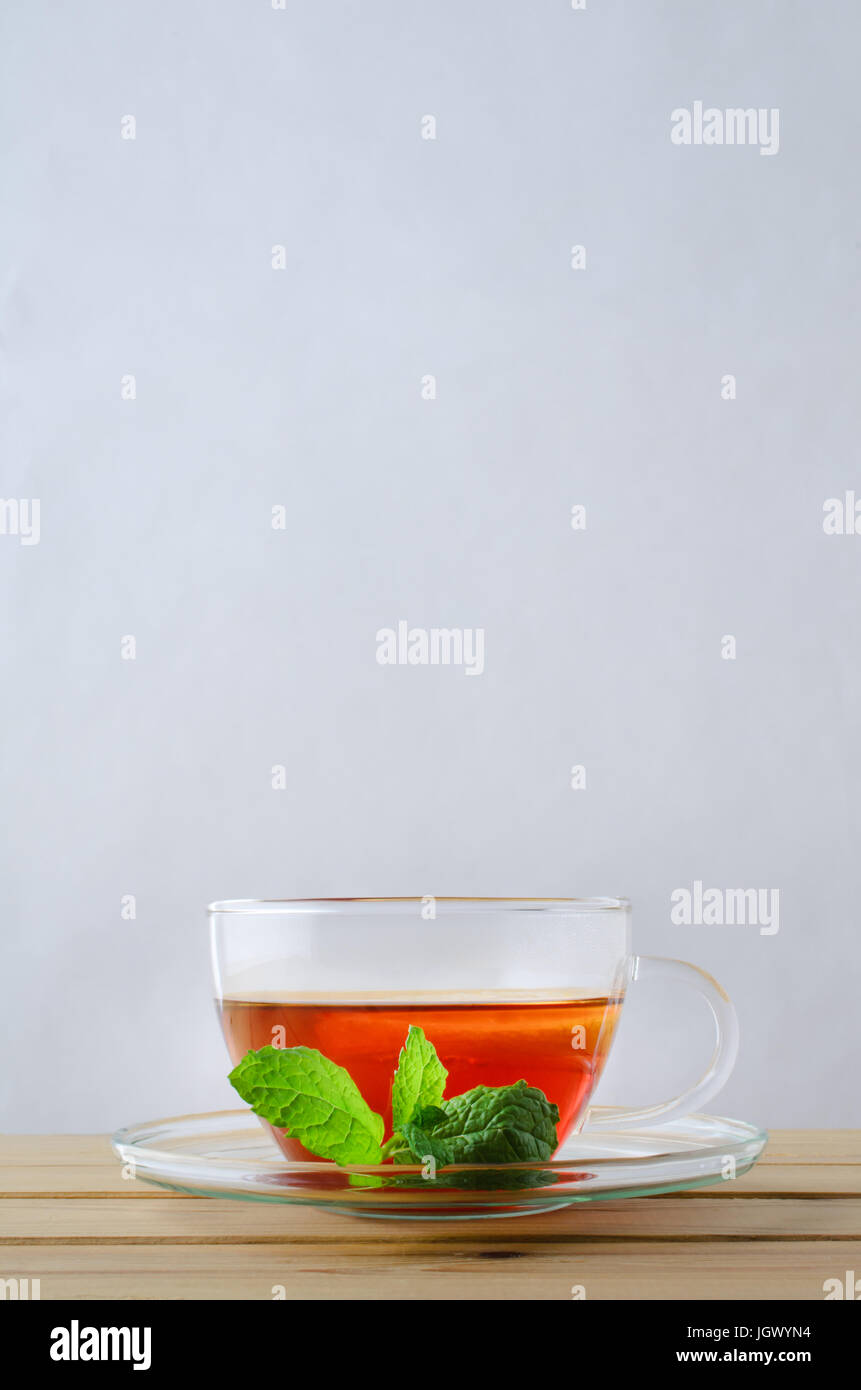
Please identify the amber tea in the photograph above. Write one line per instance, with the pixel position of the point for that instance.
(556, 1045)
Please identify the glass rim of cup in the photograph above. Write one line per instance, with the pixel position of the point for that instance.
(454, 905)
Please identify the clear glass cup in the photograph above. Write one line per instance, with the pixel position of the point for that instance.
(506, 989)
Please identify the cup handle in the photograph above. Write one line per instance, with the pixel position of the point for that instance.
(722, 1060)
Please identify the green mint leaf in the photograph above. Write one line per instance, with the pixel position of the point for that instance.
(419, 1080)
(429, 1116)
(421, 1144)
(317, 1102)
(490, 1124)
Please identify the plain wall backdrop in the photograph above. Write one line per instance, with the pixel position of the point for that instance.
(301, 387)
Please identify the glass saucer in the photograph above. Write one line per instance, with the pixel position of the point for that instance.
(228, 1153)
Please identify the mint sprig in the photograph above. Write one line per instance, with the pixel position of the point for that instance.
(318, 1103)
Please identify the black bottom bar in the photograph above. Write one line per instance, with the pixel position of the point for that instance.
(272, 1340)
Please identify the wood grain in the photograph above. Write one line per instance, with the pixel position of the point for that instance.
(214, 1221)
(69, 1219)
(698, 1270)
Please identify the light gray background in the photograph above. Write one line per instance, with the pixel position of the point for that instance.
(256, 387)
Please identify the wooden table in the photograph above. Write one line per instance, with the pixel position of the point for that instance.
(70, 1220)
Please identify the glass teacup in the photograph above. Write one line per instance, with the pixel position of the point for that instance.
(505, 989)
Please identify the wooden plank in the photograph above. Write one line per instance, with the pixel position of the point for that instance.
(83, 1166)
(55, 1149)
(790, 1180)
(624, 1270)
(76, 1180)
(106, 1180)
(32, 1221)
(784, 1146)
(813, 1146)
